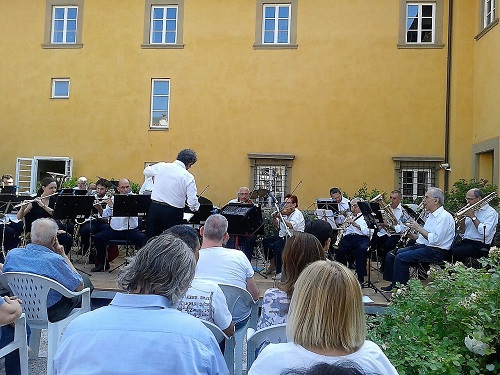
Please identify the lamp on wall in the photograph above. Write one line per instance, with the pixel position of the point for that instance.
(445, 166)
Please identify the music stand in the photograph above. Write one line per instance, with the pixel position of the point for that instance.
(372, 218)
(244, 220)
(74, 207)
(9, 189)
(130, 206)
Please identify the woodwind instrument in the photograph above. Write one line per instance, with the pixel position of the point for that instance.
(387, 214)
(24, 203)
(405, 236)
(342, 228)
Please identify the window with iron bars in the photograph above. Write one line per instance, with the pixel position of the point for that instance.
(415, 176)
(270, 172)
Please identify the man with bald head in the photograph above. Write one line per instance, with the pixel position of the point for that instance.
(121, 228)
(245, 243)
(477, 229)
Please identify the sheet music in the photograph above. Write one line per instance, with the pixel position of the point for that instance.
(187, 216)
(326, 215)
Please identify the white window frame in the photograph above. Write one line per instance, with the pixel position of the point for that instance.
(276, 22)
(419, 26)
(164, 20)
(65, 27)
(161, 110)
(415, 182)
(54, 83)
(489, 16)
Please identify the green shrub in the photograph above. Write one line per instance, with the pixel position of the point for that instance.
(450, 326)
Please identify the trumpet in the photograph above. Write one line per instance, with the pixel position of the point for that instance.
(24, 203)
(462, 213)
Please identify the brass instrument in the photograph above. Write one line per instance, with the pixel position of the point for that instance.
(387, 214)
(24, 203)
(462, 213)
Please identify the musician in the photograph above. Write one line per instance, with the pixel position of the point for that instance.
(355, 241)
(433, 243)
(7, 180)
(478, 228)
(247, 243)
(343, 203)
(81, 183)
(172, 187)
(383, 240)
(294, 221)
(96, 223)
(121, 228)
(43, 206)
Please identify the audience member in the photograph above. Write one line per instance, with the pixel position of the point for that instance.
(322, 230)
(300, 250)
(326, 324)
(204, 299)
(339, 368)
(10, 310)
(44, 256)
(227, 266)
(141, 331)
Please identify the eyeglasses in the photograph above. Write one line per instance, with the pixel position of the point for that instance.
(354, 205)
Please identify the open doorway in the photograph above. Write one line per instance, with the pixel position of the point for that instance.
(30, 171)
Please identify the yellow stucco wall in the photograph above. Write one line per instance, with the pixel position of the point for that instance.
(345, 102)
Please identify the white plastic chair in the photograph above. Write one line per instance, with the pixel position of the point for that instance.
(20, 342)
(272, 335)
(235, 294)
(33, 290)
(229, 343)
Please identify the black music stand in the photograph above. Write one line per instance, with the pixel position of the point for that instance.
(130, 206)
(73, 207)
(245, 220)
(372, 218)
(9, 189)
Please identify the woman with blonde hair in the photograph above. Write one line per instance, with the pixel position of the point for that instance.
(300, 250)
(326, 324)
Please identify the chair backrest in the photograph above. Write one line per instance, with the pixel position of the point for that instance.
(236, 296)
(33, 290)
(270, 335)
(219, 335)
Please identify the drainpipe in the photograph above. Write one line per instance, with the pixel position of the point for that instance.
(448, 94)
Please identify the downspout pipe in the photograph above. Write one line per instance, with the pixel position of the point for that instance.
(448, 96)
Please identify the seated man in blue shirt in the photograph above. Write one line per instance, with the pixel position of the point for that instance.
(141, 331)
(44, 256)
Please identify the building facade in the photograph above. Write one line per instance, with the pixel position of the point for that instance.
(318, 93)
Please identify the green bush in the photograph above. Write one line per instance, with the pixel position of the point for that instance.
(450, 326)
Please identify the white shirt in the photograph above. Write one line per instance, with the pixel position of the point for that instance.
(441, 228)
(400, 227)
(173, 183)
(488, 219)
(120, 223)
(205, 300)
(363, 227)
(343, 209)
(296, 219)
(274, 358)
(226, 266)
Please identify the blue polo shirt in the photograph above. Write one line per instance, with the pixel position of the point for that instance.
(42, 261)
(138, 334)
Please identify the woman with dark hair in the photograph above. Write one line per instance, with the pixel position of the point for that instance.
(339, 368)
(43, 206)
(288, 220)
(300, 250)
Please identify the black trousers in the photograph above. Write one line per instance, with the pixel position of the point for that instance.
(161, 217)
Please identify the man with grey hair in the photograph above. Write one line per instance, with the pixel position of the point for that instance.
(433, 243)
(355, 241)
(141, 331)
(227, 266)
(477, 229)
(173, 186)
(44, 256)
